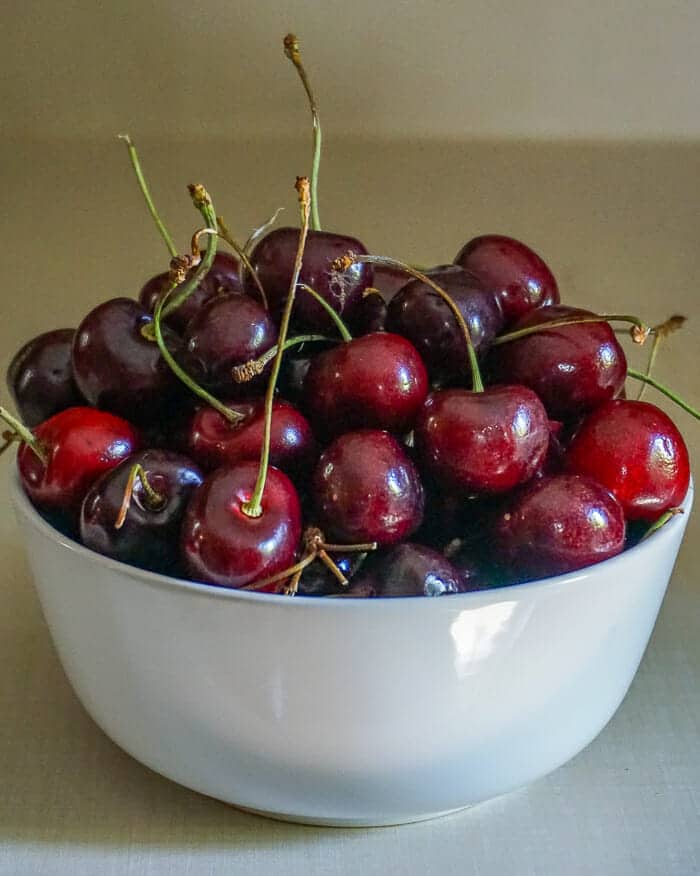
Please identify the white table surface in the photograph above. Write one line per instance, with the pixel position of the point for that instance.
(620, 226)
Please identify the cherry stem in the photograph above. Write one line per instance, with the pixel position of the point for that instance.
(344, 262)
(253, 508)
(258, 232)
(248, 370)
(640, 331)
(8, 439)
(281, 576)
(26, 436)
(291, 50)
(662, 521)
(331, 311)
(154, 500)
(203, 203)
(351, 548)
(645, 378)
(243, 256)
(292, 588)
(136, 164)
(212, 401)
(663, 330)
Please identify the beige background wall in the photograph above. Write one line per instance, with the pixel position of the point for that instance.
(447, 68)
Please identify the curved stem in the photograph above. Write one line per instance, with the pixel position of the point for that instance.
(154, 499)
(291, 50)
(254, 507)
(136, 164)
(663, 330)
(344, 262)
(334, 315)
(280, 576)
(243, 256)
(26, 436)
(645, 378)
(248, 370)
(258, 232)
(650, 365)
(332, 567)
(642, 333)
(662, 521)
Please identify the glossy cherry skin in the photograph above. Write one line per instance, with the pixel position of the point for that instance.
(376, 381)
(40, 377)
(117, 369)
(572, 368)
(422, 316)
(149, 537)
(482, 442)
(368, 315)
(634, 449)
(228, 330)
(515, 274)
(214, 441)
(273, 261)
(81, 444)
(558, 525)
(366, 489)
(415, 570)
(225, 274)
(221, 544)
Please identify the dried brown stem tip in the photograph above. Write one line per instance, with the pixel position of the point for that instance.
(247, 371)
(639, 334)
(180, 267)
(342, 263)
(199, 194)
(303, 187)
(671, 325)
(291, 48)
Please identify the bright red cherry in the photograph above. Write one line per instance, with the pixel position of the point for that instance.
(634, 449)
(80, 444)
(557, 525)
(572, 368)
(40, 377)
(273, 261)
(214, 441)
(221, 544)
(512, 271)
(376, 381)
(366, 489)
(482, 442)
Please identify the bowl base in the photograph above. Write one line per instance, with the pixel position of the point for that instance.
(359, 822)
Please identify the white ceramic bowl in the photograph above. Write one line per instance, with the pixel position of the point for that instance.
(348, 712)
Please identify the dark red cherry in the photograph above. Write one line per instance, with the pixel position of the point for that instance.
(482, 442)
(318, 580)
(273, 261)
(118, 369)
(40, 377)
(224, 274)
(149, 535)
(376, 381)
(389, 280)
(366, 489)
(512, 271)
(414, 570)
(422, 316)
(368, 315)
(214, 441)
(229, 330)
(572, 368)
(221, 544)
(557, 525)
(80, 444)
(634, 449)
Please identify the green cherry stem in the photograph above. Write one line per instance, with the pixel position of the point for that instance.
(26, 436)
(248, 370)
(153, 498)
(291, 50)
(672, 324)
(136, 164)
(662, 521)
(344, 262)
(640, 331)
(253, 508)
(651, 381)
(258, 232)
(334, 315)
(243, 256)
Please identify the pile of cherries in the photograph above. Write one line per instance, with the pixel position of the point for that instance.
(310, 419)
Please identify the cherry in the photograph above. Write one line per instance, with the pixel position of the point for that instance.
(415, 570)
(634, 449)
(512, 271)
(214, 441)
(376, 381)
(558, 525)
(573, 368)
(40, 377)
(318, 580)
(482, 442)
(419, 314)
(222, 544)
(70, 451)
(273, 261)
(228, 330)
(388, 280)
(366, 489)
(118, 368)
(153, 487)
(225, 274)
(369, 315)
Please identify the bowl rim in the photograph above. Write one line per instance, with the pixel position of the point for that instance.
(31, 515)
